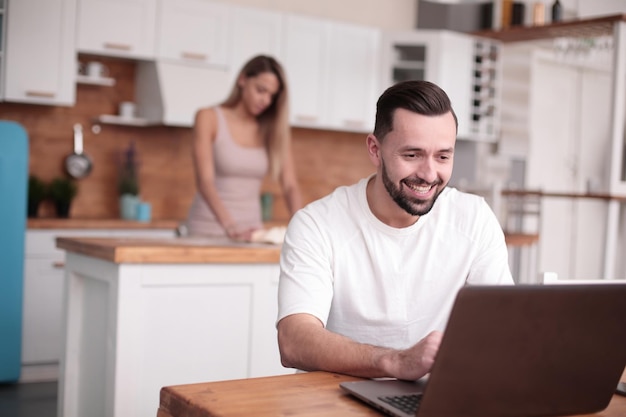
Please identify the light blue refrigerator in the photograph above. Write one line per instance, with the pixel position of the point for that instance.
(13, 199)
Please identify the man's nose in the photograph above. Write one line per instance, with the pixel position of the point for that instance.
(427, 170)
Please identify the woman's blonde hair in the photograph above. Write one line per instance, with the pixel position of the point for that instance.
(274, 121)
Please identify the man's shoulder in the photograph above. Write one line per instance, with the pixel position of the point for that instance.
(332, 211)
(455, 196)
(340, 196)
(456, 204)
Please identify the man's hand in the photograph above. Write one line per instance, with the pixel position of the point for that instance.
(415, 362)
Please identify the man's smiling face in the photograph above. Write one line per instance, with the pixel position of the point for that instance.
(416, 159)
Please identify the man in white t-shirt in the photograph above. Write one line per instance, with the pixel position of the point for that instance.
(369, 273)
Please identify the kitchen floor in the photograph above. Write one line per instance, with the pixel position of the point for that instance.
(35, 399)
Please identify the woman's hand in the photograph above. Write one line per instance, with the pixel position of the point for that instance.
(238, 234)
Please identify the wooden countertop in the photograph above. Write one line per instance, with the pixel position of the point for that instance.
(57, 223)
(171, 250)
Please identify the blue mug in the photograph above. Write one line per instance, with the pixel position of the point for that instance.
(144, 212)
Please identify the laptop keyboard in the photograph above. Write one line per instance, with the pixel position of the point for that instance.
(407, 403)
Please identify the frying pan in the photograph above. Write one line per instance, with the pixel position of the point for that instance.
(78, 164)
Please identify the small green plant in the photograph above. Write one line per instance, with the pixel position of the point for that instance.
(128, 182)
(62, 191)
(37, 192)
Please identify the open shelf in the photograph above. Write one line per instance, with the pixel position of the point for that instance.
(586, 28)
(119, 120)
(105, 81)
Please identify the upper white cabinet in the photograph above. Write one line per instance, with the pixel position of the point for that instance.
(202, 46)
(123, 28)
(305, 60)
(333, 70)
(353, 77)
(254, 32)
(466, 67)
(194, 31)
(40, 64)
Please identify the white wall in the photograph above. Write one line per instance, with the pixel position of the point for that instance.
(386, 14)
(595, 8)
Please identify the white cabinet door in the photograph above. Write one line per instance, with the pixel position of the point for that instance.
(353, 77)
(333, 69)
(254, 32)
(194, 31)
(43, 310)
(40, 57)
(304, 56)
(124, 28)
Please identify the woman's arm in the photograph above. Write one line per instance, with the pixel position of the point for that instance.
(204, 131)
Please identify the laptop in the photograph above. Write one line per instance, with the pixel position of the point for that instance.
(528, 350)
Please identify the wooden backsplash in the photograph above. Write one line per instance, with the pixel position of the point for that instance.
(324, 159)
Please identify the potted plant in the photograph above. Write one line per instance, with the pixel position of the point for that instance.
(62, 191)
(128, 183)
(36, 194)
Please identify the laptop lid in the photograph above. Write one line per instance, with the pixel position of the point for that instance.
(544, 350)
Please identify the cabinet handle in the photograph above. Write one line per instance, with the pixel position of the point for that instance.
(118, 46)
(42, 94)
(306, 119)
(194, 55)
(58, 264)
(353, 123)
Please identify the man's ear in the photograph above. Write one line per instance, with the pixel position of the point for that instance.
(373, 149)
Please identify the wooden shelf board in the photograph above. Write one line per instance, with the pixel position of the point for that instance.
(600, 26)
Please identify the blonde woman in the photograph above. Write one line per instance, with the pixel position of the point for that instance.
(235, 145)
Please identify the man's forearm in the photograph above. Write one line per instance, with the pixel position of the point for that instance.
(305, 344)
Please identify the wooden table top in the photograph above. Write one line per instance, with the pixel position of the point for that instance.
(171, 250)
(305, 394)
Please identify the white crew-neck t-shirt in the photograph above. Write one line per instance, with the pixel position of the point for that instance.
(382, 285)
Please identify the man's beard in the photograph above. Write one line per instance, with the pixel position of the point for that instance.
(413, 206)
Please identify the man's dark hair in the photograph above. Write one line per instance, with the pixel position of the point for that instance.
(422, 97)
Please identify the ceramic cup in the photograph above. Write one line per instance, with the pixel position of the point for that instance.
(127, 109)
(144, 212)
(96, 70)
(128, 206)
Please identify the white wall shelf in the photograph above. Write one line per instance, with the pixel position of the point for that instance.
(125, 121)
(103, 81)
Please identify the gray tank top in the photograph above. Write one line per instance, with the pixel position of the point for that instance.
(239, 173)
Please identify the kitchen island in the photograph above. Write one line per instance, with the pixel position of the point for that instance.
(144, 313)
